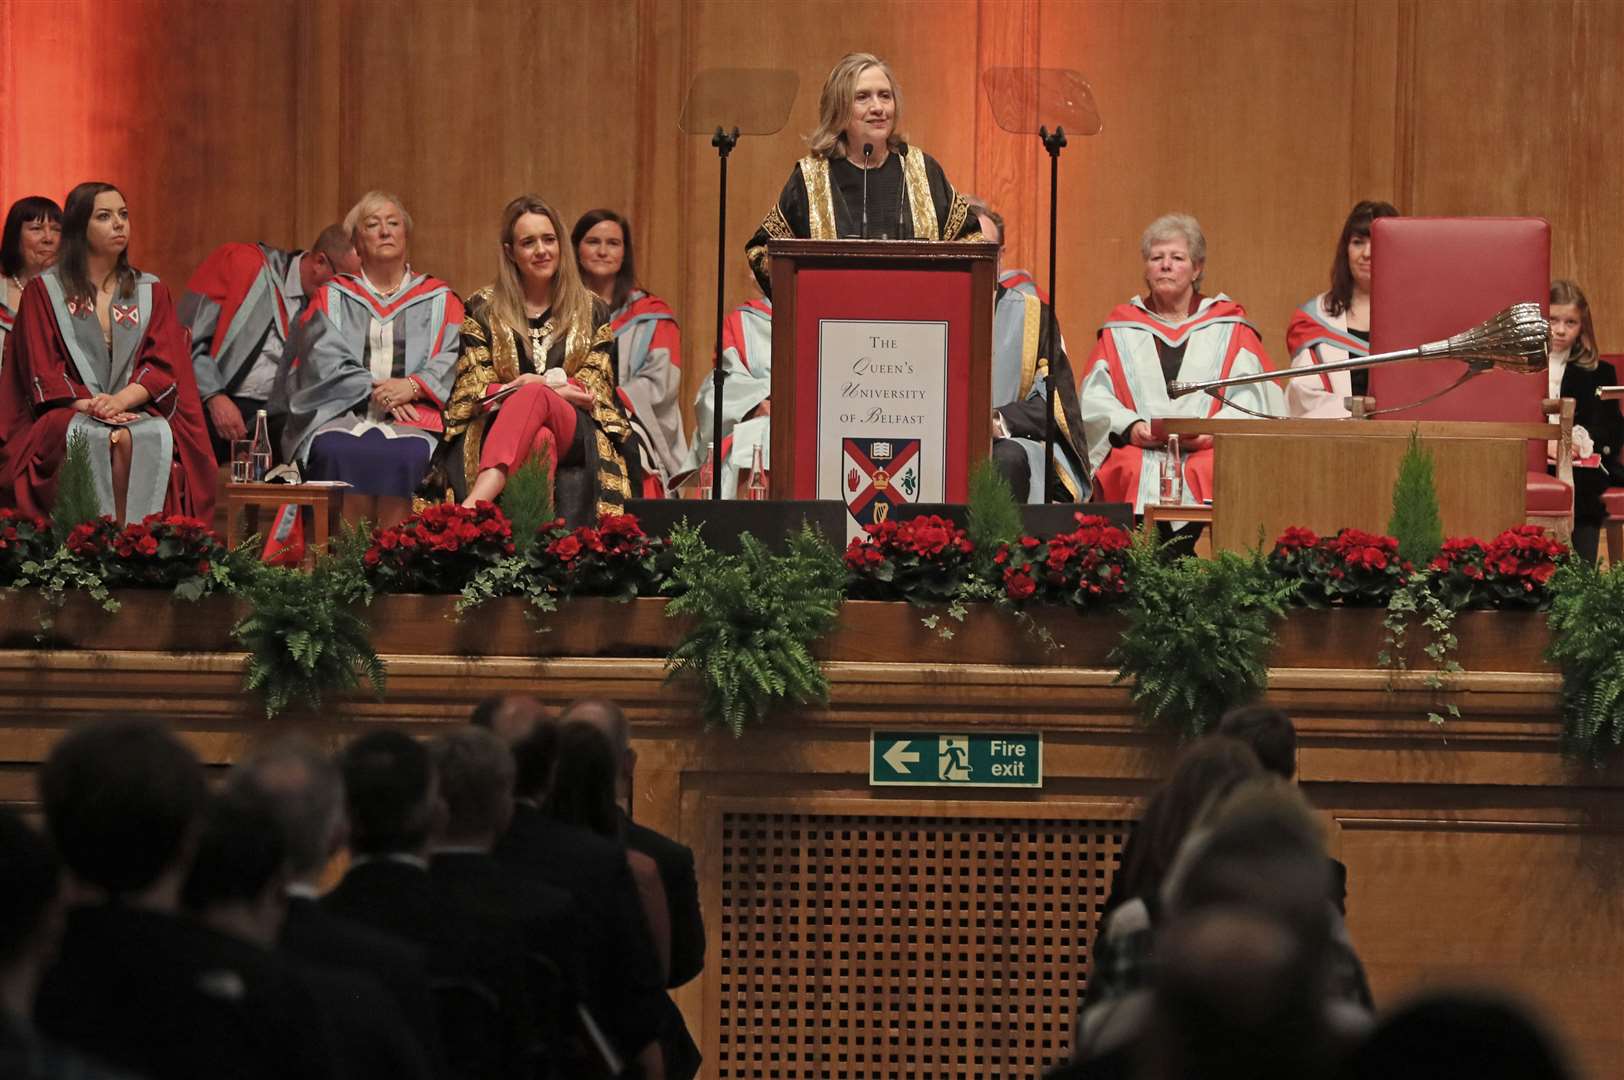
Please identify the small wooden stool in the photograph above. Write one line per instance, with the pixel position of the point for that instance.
(325, 502)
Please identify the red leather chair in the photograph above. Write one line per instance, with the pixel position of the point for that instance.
(1433, 277)
(1613, 498)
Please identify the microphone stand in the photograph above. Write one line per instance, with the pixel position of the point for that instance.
(1053, 141)
(868, 152)
(724, 141)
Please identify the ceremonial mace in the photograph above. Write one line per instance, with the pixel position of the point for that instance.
(1518, 339)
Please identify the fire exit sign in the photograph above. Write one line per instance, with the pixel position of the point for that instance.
(955, 759)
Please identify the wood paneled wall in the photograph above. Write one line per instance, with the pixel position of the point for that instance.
(230, 119)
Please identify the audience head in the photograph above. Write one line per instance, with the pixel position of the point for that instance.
(33, 231)
(602, 240)
(992, 222)
(380, 229)
(1270, 734)
(534, 265)
(1350, 266)
(333, 253)
(1208, 770)
(1175, 253)
(123, 800)
(30, 912)
(511, 717)
(535, 759)
(476, 771)
(1458, 1034)
(1571, 327)
(610, 719)
(95, 225)
(237, 883)
(583, 791)
(304, 789)
(393, 798)
(860, 103)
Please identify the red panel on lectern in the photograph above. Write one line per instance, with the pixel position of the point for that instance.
(885, 295)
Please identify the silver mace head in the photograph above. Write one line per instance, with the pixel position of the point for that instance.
(1518, 339)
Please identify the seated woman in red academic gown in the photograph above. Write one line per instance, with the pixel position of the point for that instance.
(97, 352)
(540, 336)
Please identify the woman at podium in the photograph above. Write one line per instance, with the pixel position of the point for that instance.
(858, 148)
(1171, 333)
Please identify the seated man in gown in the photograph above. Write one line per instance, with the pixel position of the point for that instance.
(1023, 355)
(909, 197)
(240, 306)
(1171, 333)
(747, 361)
(372, 363)
(97, 353)
(541, 339)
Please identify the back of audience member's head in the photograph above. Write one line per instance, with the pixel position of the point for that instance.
(583, 791)
(610, 719)
(122, 802)
(1208, 770)
(389, 786)
(29, 912)
(1235, 999)
(476, 771)
(304, 789)
(510, 716)
(238, 876)
(1458, 1034)
(1268, 731)
(535, 759)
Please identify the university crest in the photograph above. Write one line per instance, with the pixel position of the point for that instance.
(878, 475)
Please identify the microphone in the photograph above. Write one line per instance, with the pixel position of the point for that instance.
(868, 152)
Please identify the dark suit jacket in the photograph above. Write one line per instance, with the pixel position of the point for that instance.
(460, 945)
(171, 1000)
(676, 863)
(622, 987)
(371, 1036)
(318, 937)
(1606, 427)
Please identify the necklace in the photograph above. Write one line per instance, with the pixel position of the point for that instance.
(16, 283)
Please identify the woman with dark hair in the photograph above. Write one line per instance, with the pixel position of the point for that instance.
(97, 353)
(540, 339)
(1575, 370)
(909, 197)
(1335, 325)
(27, 249)
(648, 348)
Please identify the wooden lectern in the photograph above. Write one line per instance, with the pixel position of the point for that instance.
(882, 370)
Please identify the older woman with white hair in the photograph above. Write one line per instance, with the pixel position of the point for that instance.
(859, 136)
(374, 359)
(1173, 332)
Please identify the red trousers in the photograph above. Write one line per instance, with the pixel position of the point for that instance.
(531, 420)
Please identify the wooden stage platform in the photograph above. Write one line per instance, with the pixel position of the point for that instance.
(898, 932)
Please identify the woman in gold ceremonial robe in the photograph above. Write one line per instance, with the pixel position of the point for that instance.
(909, 197)
(539, 339)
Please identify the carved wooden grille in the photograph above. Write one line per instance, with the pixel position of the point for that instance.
(880, 947)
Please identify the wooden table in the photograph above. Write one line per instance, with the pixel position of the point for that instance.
(325, 502)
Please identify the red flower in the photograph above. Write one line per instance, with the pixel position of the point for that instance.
(566, 549)
(1018, 584)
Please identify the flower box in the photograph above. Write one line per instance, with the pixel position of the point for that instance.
(1352, 638)
(878, 631)
(148, 620)
(418, 624)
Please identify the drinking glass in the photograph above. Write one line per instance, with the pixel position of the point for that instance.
(242, 460)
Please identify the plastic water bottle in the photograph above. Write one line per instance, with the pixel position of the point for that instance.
(259, 453)
(707, 474)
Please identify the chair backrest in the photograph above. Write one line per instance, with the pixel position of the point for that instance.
(1617, 360)
(1434, 277)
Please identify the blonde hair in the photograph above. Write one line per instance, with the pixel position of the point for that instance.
(369, 204)
(1185, 228)
(834, 105)
(571, 301)
(1585, 352)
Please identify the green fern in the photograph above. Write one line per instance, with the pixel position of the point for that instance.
(754, 618)
(1587, 642)
(994, 515)
(1199, 634)
(76, 501)
(304, 634)
(527, 500)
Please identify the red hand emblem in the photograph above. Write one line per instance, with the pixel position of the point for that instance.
(852, 479)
